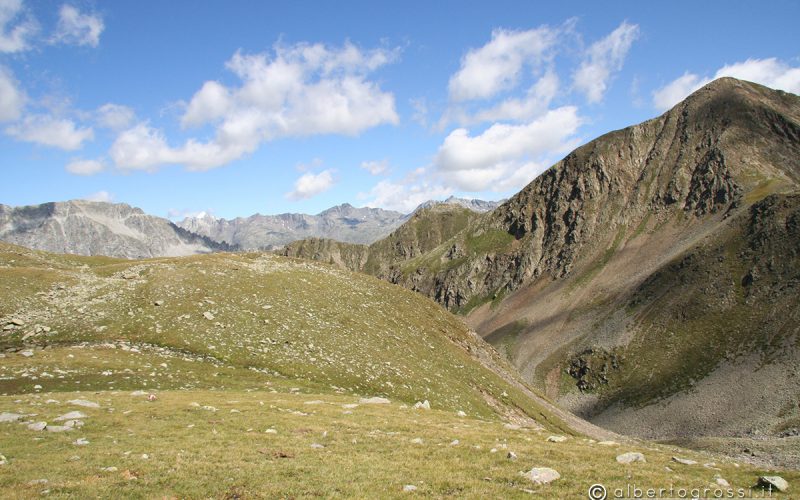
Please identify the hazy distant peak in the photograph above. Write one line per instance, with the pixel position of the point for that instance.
(469, 203)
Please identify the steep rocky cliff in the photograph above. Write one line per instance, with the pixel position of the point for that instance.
(647, 281)
(696, 162)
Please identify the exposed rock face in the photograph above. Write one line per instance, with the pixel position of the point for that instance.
(262, 232)
(696, 160)
(96, 228)
(651, 267)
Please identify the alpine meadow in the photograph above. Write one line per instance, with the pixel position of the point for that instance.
(357, 250)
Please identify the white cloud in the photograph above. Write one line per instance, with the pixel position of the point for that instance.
(303, 90)
(76, 28)
(145, 148)
(375, 167)
(12, 99)
(675, 91)
(535, 103)
(770, 72)
(115, 116)
(103, 196)
(47, 130)
(506, 156)
(208, 104)
(85, 167)
(403, 196)
(604, 57)
(16, 28)
(309, 185)
(497, 65)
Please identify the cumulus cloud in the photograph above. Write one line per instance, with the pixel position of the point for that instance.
(676, 90)
(12, 99)
(603, 58)
(76, 28)
(404, 196)
(16, 27)
(497, 65)
(506, 156)
(103, 196)
(114, 116)
(85, 167)
(145, 148)
(309, 185)
(302, 90)
(208, 104)
(375, 167)
(535, 103)
(50, 131)
(770, 72)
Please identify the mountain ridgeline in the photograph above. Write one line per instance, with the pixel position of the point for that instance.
(264, 232)
(424, 231)
(640, 275)
(97, 228)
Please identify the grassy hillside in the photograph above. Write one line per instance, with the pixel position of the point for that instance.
(289, 319)
(259, 367)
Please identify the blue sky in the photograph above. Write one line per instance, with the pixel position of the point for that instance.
(244, 107)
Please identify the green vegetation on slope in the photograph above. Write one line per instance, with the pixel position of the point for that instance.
(276, 443)
(292, 319)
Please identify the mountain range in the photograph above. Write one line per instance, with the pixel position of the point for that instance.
(98, 228)
(344, 223)
(649, 280)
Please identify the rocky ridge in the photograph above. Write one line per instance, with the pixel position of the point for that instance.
(97, 228)
(264, 232)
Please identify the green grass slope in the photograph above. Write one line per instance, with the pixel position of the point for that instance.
(258, 366)
(292, 319)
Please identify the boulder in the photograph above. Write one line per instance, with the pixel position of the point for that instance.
(73, 415)
(542, 475)
(374, 401)
(10, 417)
(630, 457)
(37, 426)
(425, 405)
(61, 428)
(83, 402)
(773, 483)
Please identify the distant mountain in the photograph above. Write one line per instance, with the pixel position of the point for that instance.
(343, 223)
(425, 229)
(468, 203)
(97, 228)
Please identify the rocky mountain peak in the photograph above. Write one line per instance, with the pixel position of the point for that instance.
(98, 228)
